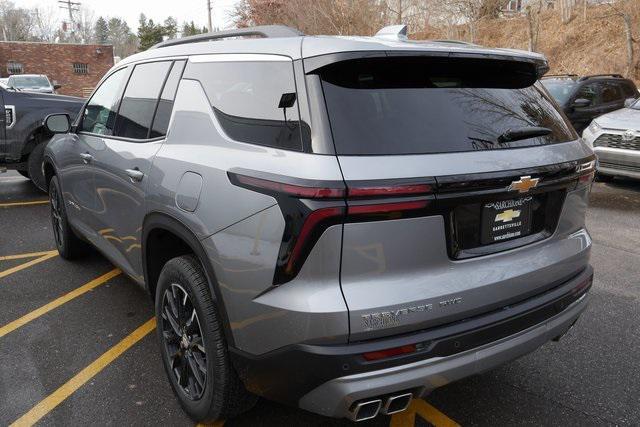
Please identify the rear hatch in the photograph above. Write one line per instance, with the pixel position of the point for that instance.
(457, 171)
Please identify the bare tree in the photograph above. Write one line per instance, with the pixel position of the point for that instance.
(45, 23)
(621, 10)
(532, 11)
(15, 23)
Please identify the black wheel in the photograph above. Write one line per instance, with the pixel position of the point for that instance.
(68, 244)
(604, 178)
(193, 346)
(24, 173)
(34, 166)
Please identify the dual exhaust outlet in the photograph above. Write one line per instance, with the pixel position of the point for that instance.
(370, 408)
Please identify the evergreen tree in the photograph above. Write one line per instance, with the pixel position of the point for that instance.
(170, 27)
(101, 31)
(149, 33)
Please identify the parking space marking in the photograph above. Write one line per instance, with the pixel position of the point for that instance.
(216, 424)
(45, 256)
(10, 327)
(26, 203)
(22, 256)
(57, 397)
(420, 407)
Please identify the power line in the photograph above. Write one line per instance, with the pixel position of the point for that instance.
(71, 7)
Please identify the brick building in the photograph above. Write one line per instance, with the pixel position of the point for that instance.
(77, 67)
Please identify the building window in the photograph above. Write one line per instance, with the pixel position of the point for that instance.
(14, 67)
(80, 68)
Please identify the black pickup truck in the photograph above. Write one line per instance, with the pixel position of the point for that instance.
(22, 136)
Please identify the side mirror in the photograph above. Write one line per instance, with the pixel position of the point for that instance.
(581, 103)
(629, 102)
(57, 123)
(56, 86)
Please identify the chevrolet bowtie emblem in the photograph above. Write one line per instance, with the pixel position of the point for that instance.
(507, 215)
(524, 184)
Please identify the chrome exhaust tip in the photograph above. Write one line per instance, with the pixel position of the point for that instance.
(365, 410)
(397, 403)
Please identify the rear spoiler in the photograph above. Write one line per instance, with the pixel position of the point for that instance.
(539, 64)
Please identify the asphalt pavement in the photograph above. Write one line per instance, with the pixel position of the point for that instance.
(77, 344)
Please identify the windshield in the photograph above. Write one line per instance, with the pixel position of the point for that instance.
(419, 106)
(561, 90)
(25, 82)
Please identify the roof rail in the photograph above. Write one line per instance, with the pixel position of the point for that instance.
(551, 76)
(617, 76)
(453, 42)
(265, 31)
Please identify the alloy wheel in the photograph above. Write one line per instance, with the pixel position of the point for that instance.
(56, 215)
(183, 341)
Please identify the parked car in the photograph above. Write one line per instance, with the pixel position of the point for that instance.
(32, 83)
(587, 97)
(615, 138)
(340, 224)
(22, 134)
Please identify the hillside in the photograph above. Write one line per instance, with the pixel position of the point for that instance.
(592, 46)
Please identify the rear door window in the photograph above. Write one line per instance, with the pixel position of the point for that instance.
(611, 92)
(140, 98)
(423, 105)
(165, 103)
(246, 98)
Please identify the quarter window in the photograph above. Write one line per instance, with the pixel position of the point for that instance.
(165, 103)
(140, 98)
(100, 113)
(246, 98)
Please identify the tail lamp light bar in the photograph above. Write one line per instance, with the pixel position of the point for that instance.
(315, 206)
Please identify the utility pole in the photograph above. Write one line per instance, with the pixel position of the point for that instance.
(209, 15)
(71, 7)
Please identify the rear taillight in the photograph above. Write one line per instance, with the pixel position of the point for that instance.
(310, 207)
(586, 173)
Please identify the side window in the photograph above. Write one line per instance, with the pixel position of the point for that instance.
(611, 92)
(140, 98)
(165, 103)
(589, 92)
(100, 113)
(247, 98)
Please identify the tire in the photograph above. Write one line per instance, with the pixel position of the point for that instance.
(604, 178)
(24, 173)
(68, 243)
(34, 166)
(196, 340)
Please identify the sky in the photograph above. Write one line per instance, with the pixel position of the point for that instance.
(158, 10)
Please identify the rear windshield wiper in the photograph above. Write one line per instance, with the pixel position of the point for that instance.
(523, 133)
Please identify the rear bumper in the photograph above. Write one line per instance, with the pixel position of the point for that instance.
(328, 379)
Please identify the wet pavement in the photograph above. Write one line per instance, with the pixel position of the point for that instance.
(76, 346)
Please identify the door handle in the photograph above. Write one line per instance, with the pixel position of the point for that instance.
(135, 174)
(86, 157)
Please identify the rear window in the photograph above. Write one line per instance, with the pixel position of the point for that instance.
(423, 105)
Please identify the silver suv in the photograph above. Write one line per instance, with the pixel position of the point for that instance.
(337, 223)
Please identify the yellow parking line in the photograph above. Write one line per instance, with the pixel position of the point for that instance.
(216, 424)
(57, 397)
(32, 202)
(419, 407)
(28, 264)
(27, 255)
(10, 327)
